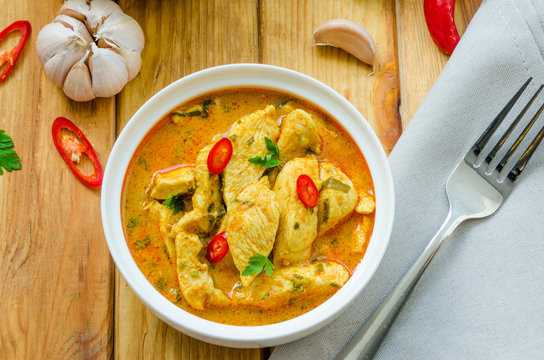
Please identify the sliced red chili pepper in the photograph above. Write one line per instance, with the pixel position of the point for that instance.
(72, 147)
(439, 15)
(217, 248)
(11, 56)
(307, 191)
(219, 156)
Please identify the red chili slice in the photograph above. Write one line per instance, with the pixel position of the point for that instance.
(72, 147)
(307, 191)
(219, 156)
(11, 56)
(217, 248)
(439, 15)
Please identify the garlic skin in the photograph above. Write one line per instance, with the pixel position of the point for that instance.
(348, 36)
(92, 49)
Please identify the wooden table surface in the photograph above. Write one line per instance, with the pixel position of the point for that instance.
(60, 293)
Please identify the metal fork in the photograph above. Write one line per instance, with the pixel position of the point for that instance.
(473, 192)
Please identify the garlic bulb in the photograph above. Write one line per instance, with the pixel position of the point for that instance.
(92, 49)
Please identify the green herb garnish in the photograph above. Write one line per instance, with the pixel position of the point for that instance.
(256, 264)
(174, 202)
(9, 159)
(270, 160)
(332, 183)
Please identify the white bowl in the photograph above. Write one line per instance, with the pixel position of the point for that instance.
(259, 76)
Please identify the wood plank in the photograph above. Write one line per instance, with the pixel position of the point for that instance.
(420, 60)
(287, 28)
(182, 37)
(56, 287)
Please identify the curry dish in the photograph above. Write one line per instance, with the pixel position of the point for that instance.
(247, 206)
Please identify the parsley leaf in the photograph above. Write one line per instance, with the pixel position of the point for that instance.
(270, 160)
(175, 202)
(272, 147)
(9, 159)
(256, 264)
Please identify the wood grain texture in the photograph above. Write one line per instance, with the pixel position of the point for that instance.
(56, 275)
(287, 28)
(182, 37)
(420, 60)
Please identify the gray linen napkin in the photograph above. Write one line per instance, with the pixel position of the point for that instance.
(483, 295)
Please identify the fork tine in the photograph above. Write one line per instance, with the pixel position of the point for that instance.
(524, 159)
(507, 133)
(488, 133)
(518, 141)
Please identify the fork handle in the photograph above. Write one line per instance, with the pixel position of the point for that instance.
(367, 340)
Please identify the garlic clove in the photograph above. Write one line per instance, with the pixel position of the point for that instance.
(77, 9)
(133, 61)
(77, 85)
(348, 36)
(78, 28)
(108, 70)
(53, 38)
(60, 64)
(99, 10)
(123, 31)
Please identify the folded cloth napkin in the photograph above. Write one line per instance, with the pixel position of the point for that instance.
(483, 295)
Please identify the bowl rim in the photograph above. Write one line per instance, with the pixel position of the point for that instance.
(249, 76)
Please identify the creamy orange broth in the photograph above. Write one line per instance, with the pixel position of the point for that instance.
(169, 144)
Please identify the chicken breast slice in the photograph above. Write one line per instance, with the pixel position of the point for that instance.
(180, 180)
(247, 136)
(298, 225)
(251, 225)
(337, 198)
(166, 219)
(195, 282)
(298, 136)
(208, 208)
(292, 283)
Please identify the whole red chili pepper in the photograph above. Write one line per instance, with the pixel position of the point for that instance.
(72, 147)
(11, 56)
(439, 15)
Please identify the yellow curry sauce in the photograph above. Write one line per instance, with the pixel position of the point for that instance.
(170, 143)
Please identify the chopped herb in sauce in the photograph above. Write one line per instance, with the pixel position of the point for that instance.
(233, 137)
(206, 107)
(244, 202)
(250, 141)
(296, 226)
(142, 243)
(332, 183)
(334, 285)
(298, 283)
(326, 211)
(133, 222)
(284, 102)
(143, 163)
(319, 268)
(160, 285)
